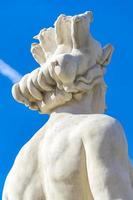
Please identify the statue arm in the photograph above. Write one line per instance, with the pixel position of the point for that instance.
(107, 159)
(22, 178)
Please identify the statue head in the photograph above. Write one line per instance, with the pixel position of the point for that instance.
(71, 69)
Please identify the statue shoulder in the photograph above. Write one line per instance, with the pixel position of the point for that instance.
(102, 119)
(102, 126)
(28, 153)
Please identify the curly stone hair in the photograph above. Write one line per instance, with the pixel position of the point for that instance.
(71, 64)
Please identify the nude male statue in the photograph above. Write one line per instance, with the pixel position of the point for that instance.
(80, 153)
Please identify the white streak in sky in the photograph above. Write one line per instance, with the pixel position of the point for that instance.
(9, 72)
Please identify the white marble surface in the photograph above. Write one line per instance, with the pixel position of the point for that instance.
(80, 153)
(71, 64)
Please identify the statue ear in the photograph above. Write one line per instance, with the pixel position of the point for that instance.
(107, 54)
(89, 15)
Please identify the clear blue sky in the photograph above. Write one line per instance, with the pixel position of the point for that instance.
(20, 21)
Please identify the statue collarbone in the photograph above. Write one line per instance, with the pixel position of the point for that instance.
(71, 65)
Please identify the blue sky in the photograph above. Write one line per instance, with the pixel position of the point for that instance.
(19, 22)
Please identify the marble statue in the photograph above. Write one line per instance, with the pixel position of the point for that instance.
(80, 153)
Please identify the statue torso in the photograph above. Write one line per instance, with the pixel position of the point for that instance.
(52, 163)
(63, 156)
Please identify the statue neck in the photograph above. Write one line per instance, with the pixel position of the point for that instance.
(91, 103)
(75, 107)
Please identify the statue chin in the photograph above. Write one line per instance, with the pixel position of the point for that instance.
(80, 153)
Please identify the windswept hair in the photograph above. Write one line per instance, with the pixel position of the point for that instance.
(71, 64)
